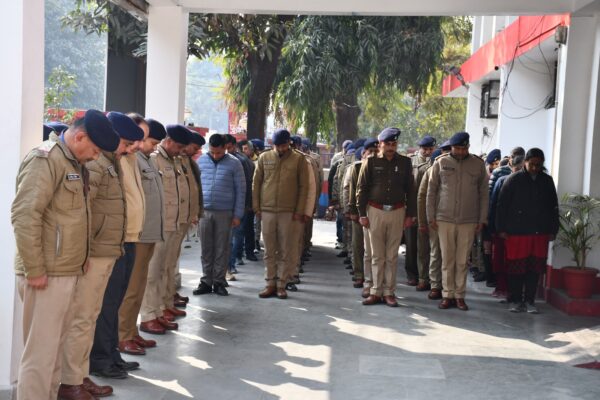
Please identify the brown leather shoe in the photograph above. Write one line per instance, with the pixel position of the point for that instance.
(358, 283)
(168, 316)
(461, 305)
(179, 303)
(371, 300)
(153, 327)
(412, 282)
(267, 292)
(434, 294)
(366, 292)
(390, 301)
(422, 287)
(168, 325)
(281, 294)
(73, 392)
(446, 303)
(96, 390)
(145, 343)
(131, 347)
(180, 297)
(176, 312)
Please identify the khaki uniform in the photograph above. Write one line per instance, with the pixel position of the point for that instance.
(299, 227)
(279, 190)
(457, 199)
(318, 173)
(109, 229)
(430, 264)
(338, 197)
(385, 194)
(358, 237)
(51, 219)
(412, 237)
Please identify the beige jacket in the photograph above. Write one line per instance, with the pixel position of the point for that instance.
(422, 199)
(51, 213)
(175, 187)
(134, 197)
(192, 174)
(280, 184)
(312, 188)
(458, 190)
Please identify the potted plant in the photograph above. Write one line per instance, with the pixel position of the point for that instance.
(579, 230)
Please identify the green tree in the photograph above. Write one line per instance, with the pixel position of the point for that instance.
(332, 60)
(58, 92)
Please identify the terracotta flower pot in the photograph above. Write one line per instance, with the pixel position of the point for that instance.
(579, 282)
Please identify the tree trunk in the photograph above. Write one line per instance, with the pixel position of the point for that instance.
(346, 117)
(263, 74)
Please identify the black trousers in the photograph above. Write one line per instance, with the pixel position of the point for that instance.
(105, 350)
(523, 287)
(410, 264)
(248, 227)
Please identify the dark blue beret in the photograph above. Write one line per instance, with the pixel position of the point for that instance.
(157, 130)
(58, 127)
(259, 144)
(445, 145)
(47, 132)
(306, 142)
(179, 133)
(281, 136)
(427, 141)
(125, 126)
(297, 140)
(359, 152)
(389, 135)
(350, 151)
(346, 143)
(459, 139)
(197, 138)
(360, 142)
(370, 142)
(492, 156)
(435, 154)
(101, 131)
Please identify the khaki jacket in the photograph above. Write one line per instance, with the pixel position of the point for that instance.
(175, 187)
(422, 199)
(192, 173)
(280, 183)
(51, 213)
(458, 190)
(312, 188)
(109, 208)
(154, 210)
(134, 197)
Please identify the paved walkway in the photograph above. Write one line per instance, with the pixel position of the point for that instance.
(322, 344)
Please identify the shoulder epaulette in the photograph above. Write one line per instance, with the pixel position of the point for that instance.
(44, 149)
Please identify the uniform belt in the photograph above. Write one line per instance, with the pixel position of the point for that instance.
(386, 207)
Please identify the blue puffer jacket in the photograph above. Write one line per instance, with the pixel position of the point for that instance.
(223, 184)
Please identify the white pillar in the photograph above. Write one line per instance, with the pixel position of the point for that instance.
(166, 63)
(21, 112)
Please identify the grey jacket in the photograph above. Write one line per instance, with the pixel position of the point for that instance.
(153, 230)
(458, 190)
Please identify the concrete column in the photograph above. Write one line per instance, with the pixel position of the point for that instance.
(166, 63)
(22, 82)
(476, 34)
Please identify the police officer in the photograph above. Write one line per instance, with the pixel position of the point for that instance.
(318, 172)
(279, 192)
(457, 206)
(161, 271)
(414, 241)
(51, 217)
(130, 340)
(386, 201)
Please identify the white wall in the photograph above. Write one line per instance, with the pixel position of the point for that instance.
(21, 113)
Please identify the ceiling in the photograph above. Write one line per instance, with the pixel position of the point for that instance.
(383, 7)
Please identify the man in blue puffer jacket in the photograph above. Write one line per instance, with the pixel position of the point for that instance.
(223, 190)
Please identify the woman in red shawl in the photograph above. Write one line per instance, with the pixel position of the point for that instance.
(527, 217)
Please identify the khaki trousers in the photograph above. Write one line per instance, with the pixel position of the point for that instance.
(278, 236)
(46, 318)
(154, 293)
(132, 302)
(298, 234)
(455, 242)
(348, 236)
(367, 259)
(358, 250)
(423, 251)
(435, 260)
(386, 228)
(87, 303)
(171, 258)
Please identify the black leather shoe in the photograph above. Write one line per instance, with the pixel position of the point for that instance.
(291, 287)
(127, 365)
(342, 253)
(479, 277)
(112, 372)
(347, 261)
(220, 290)
(349, 266)
(202, 288)
(251, 257)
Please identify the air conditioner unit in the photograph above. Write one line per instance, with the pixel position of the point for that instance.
(490, 99)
